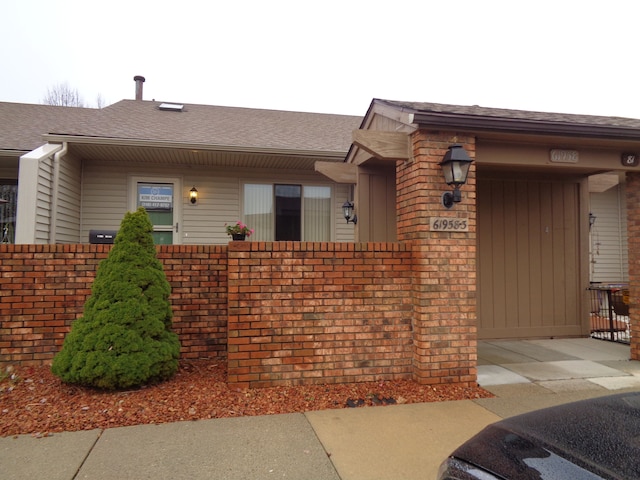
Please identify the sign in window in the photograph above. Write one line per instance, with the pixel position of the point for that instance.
(155, 197)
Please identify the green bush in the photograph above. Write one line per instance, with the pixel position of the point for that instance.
(124, 337)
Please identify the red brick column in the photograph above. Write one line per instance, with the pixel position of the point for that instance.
(633, 239)
(444, 281)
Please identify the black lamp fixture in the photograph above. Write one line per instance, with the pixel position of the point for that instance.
(193, 195)
(455, 166)
(347, 211)
(592, 220)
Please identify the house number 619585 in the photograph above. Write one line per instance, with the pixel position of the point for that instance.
(445, 224)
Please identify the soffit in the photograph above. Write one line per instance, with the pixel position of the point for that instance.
(197, 157)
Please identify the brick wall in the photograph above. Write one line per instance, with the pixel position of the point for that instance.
(632, 188)
(318, 312)
(297, 312)
(43, 289)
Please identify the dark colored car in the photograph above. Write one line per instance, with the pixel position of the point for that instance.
(590, 439)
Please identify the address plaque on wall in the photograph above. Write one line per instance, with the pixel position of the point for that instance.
(448, 224)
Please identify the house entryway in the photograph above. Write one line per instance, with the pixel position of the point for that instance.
(162, 198)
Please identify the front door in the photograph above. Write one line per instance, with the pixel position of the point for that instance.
(529, 258)
(161, 197)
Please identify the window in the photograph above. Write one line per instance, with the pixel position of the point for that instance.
(288, 212)
(8, 193)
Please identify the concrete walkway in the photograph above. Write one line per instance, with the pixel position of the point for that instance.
(399, 442)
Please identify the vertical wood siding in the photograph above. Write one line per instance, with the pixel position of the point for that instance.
(529, 258)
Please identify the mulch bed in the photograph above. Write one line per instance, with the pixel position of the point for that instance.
(34, 401)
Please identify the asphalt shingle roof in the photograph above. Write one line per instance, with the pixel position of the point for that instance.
(230, 126)
(22, 125)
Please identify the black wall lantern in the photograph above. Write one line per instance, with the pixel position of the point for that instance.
(347, 211)
(455, 166)
(193, 195)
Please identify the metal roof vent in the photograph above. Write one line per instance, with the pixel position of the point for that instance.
(139, 79)
(171, 107)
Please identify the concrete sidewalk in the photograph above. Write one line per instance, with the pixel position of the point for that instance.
(399, 442)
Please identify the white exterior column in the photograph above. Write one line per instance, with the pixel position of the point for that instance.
(29, 193)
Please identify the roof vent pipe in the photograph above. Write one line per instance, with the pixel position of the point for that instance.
(139, 81)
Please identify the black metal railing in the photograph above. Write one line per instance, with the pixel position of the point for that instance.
(609, 312)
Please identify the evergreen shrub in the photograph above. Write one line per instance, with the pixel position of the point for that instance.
(124, 337)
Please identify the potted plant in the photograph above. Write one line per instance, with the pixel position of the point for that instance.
(238, 231)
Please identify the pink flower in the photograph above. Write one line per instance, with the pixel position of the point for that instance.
(239, 228)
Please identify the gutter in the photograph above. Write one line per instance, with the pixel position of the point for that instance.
(523, 126)
(55, 191)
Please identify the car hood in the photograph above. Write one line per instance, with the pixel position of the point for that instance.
(600, 436)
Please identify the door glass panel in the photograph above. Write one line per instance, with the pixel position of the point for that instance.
(162, 238)
(288, 212)
(158, 200)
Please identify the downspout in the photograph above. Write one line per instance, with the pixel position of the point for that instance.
(55, 192)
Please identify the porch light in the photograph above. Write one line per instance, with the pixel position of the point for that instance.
(455, 167)
(193, 195)
(347, 211)
(592, 220)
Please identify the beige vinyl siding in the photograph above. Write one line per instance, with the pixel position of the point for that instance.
(608, 236)
(43, 201)
(105, 197)
(68, 202)
(218, 200)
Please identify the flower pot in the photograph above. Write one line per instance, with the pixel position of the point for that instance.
(238, 236)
